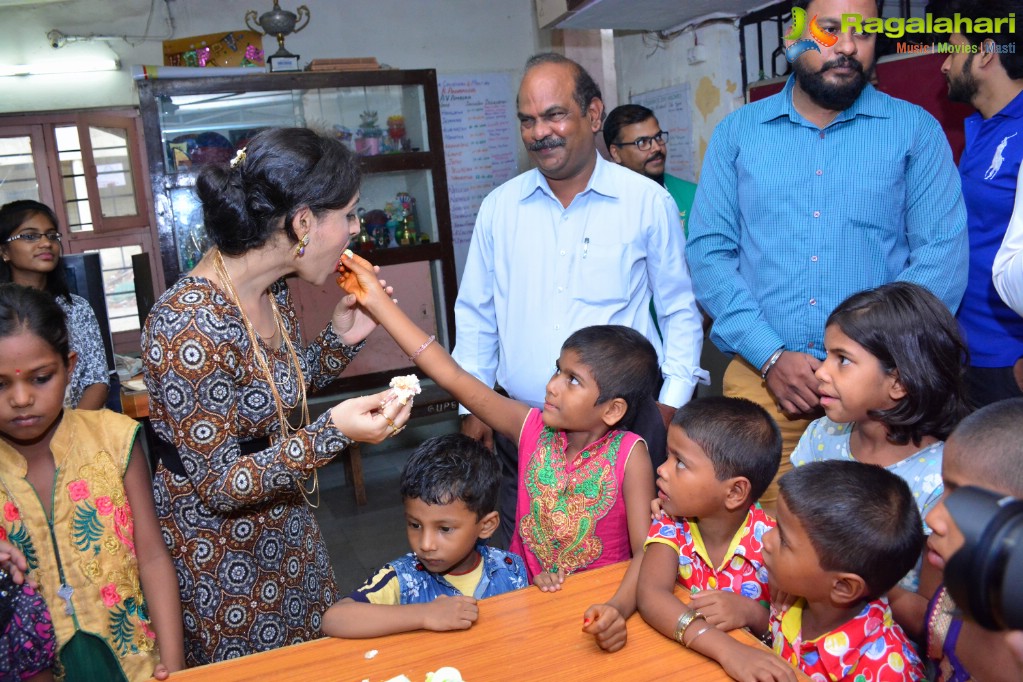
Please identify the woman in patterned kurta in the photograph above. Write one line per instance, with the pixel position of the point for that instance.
(252, 566)
(34, 262)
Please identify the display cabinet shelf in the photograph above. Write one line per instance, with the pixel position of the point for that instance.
(191, 121)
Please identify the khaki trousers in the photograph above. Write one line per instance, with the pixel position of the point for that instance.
(741, 380)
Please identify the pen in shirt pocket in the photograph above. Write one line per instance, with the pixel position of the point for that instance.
(586, 246)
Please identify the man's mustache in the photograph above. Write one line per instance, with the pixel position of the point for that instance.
(842, 62)
(659, 156)
(550, 142)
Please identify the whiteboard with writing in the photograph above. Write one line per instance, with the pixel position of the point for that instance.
(477, 113)
(672, 108)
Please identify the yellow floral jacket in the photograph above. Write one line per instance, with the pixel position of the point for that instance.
(85, 562)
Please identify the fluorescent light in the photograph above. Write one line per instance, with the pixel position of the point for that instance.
(15, 3)
(57, 66)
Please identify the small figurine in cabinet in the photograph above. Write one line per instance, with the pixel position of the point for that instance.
(368, 137)
(396, 139)
(409, 231)
(364, 240)
(345, 135)
(376, 225)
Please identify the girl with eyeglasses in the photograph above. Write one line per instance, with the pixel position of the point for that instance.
(30, 252)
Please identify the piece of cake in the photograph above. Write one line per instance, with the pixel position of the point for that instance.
(342, 270)
(340, 267)
(405, 387)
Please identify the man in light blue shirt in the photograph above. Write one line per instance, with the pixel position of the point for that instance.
(577, 241)
(809, 196)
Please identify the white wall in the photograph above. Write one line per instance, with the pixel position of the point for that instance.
(715, 85)
(450, 36)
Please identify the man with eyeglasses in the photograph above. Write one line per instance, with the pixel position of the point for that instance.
(576, 241)
(635, 140)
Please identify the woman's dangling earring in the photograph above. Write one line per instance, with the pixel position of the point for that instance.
(304, 242)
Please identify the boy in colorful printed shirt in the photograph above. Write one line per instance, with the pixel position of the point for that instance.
(836, 550)
(450, 486)
(723, 453)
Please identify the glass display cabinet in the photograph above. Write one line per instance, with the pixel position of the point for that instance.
(390, 118)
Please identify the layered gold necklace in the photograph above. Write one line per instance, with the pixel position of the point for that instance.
(287, 430)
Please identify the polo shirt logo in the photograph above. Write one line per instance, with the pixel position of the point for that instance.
(998, 158)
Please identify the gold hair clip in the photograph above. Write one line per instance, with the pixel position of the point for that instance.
(239, 156)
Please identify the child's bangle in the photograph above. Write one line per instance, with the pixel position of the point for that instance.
(684, 621)
(939, 624)
(697, 635)
(431, 339)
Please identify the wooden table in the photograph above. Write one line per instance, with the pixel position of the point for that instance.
(135, 404)
(522, 635)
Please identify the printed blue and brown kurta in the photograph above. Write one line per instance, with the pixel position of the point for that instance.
(252, 566)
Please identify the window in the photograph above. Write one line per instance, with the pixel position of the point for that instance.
(119, 284)
(88, 167)
(72, 176)
(23, 164)
(17, 170)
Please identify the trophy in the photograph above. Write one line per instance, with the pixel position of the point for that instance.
(279, 23)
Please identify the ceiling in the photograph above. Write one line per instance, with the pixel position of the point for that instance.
(646, 15)
(109, 17)
(12, 3)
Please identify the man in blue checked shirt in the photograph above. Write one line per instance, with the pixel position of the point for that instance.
(825, 189)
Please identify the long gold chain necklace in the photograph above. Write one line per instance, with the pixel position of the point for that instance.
(262, 360)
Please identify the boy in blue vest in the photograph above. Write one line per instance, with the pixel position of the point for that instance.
(450, 486)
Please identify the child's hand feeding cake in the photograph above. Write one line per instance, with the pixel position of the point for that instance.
(340, 268)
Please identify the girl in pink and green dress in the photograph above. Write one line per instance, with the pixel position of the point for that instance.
(585, 481)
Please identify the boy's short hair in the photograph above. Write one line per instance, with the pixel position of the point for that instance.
(1001, 33)
(739, 437)
(860, 518)
(453, 467)
(990, 441)
(623, 362)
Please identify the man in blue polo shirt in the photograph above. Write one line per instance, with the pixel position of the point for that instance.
(989, 79)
